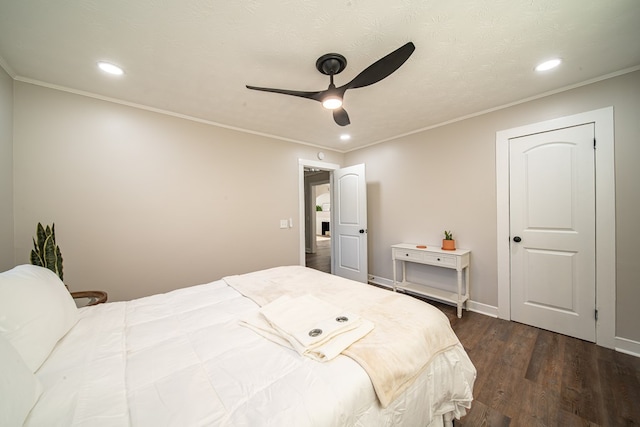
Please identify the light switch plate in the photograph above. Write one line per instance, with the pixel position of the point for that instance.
(284, 223)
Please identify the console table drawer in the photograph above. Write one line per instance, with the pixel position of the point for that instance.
(414, 256)
(440, 260)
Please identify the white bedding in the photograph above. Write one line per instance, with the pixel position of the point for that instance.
(407, 333)
(182, 359)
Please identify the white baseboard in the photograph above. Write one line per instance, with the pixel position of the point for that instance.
(486, 309)
(381, 281)
(627, 346)
(623, 345)
(478, 307)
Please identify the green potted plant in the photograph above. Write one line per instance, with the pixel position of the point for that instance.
(448, 243)
(45, 252)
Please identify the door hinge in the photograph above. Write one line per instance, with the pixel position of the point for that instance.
(596, 314)
(594, 143)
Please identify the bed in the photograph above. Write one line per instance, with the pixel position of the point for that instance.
(191, 358)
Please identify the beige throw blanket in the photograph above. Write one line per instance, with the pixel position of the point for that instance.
(408, 333)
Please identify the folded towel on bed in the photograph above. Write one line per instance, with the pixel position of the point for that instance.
(312, 327)
(308, 321)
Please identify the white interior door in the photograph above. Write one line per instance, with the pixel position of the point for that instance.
(349, 223)
(552, 208)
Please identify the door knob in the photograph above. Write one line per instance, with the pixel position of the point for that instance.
(517, 239)
(361, 231)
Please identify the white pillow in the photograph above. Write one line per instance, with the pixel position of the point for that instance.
(36, 310)
(19, 388)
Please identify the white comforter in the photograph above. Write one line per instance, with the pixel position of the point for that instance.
(182, 359)
(408, 333)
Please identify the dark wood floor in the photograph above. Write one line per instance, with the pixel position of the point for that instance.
(532, 377)
(321, 260)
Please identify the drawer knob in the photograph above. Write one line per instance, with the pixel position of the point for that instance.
(438, 259)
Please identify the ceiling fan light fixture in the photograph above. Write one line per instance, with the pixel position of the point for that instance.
(331, 64)
(332, 102)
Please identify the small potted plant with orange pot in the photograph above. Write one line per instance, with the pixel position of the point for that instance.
(448, 244)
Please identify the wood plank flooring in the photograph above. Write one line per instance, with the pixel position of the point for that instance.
(532, 377)
(321, 260)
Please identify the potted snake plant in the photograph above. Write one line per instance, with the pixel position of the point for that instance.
(46, 253)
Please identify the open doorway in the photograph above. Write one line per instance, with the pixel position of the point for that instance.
(348, 213)
(317, 219)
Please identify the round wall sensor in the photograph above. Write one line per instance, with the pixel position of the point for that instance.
(321, 155)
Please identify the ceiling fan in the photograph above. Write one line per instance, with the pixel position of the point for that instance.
(333, 63)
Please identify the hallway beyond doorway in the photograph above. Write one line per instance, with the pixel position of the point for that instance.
(321, 260)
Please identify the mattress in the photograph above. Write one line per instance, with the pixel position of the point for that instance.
(183, 359)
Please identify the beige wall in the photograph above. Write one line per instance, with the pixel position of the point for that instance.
(444, 178)
(6, 171)
(144, 202)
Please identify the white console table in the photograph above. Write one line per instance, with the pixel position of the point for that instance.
(457, 260)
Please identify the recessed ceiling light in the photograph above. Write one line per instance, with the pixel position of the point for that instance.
(345, 137)
(547, 65)
(110, 68)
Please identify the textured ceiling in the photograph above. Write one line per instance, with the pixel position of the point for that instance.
(194, 57)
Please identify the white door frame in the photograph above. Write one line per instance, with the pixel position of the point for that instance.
(302, 163)
(605, 215)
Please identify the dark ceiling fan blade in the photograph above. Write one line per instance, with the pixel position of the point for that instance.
(341, 117)
(317, 96)
(382, 68)
(332, 64)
